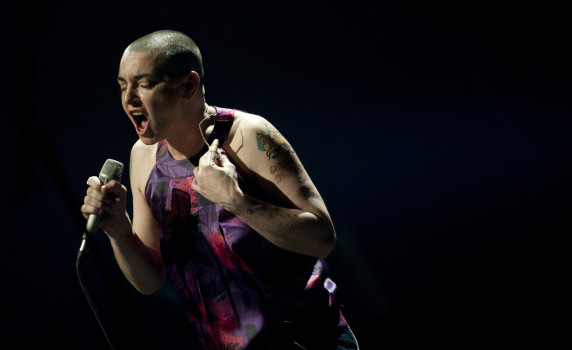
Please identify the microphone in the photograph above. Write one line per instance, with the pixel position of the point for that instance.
(111, 170)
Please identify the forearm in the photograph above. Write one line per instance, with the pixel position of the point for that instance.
(139, 264)
(291, 229)
(305, 227)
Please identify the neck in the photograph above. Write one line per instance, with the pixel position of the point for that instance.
(191, 141)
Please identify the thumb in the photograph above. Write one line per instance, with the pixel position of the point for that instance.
(113, 187)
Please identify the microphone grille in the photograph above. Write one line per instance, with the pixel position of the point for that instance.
(112, 169)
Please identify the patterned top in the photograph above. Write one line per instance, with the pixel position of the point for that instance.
(236, 284)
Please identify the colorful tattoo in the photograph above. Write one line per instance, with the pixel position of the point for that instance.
(272, 143)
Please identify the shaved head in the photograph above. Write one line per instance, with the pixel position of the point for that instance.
(176, 54)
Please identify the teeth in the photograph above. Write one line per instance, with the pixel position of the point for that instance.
(139, 114)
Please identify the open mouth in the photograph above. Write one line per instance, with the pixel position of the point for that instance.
(140, 121)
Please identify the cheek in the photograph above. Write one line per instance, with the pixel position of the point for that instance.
(124, 106)
(163, 106)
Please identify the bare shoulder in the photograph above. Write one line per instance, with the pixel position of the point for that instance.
(247, 124)
(255, 127)
(253, 138)
(262, 149)
(141, 163)
(248, 119)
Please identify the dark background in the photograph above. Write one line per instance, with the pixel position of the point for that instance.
(437, 132)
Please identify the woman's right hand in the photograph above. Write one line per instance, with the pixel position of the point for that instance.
(107, 200)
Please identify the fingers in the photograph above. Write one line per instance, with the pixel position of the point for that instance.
(93, 181)
(213, 153)
(214, 146)
(94, 202)
(224, 161)
(214, 157)
(114, 188)
(99, 197)
(210, 156)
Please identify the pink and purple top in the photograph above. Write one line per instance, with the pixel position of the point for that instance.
(236, 285)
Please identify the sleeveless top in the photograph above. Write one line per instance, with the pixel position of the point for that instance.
(236, 285)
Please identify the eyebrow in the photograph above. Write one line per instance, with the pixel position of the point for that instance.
(137, 77)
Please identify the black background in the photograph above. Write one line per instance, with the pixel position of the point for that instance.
(437, 132)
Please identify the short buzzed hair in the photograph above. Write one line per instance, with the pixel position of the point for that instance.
(176, 53)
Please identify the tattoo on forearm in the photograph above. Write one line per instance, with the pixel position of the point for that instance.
(272, 143)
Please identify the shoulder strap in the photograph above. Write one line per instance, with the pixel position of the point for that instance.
(223, 122)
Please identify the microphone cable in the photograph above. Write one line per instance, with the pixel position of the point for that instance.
(90, 302)
(111, 170)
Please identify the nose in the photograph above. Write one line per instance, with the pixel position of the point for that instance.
(130, 96)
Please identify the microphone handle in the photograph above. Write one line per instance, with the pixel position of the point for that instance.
(91, 226)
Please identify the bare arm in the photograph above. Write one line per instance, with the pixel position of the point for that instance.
(135, 245)
(298, 220)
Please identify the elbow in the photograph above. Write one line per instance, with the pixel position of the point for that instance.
(148, 288)
(151, 284)
(327, 244)
(324, 252)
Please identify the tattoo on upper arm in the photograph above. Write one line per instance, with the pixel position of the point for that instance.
(276, 170)
(272, 143)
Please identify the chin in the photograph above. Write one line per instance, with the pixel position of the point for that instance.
(148, 140)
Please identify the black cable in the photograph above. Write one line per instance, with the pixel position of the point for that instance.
(90, 302)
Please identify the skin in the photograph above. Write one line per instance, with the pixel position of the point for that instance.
(287, 208)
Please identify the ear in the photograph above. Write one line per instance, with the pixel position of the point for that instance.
(191, 84)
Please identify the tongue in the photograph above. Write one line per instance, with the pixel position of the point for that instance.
(142, 127)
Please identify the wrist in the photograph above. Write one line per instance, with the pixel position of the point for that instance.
(120, 229)
(238, 203)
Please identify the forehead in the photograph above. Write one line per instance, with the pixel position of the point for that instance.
(134, 64)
